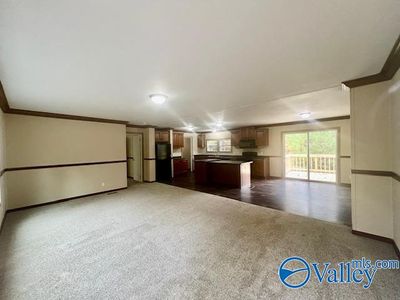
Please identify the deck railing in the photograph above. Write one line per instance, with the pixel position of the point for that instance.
(319, 163)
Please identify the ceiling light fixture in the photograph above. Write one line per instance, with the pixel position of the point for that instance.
(219, 124)
(158, 98)
(305, 115)
(190, 128)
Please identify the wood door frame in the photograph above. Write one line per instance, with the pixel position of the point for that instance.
(338, 169)
(142, 135)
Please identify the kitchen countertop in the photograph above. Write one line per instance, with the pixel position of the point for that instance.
(230, 162)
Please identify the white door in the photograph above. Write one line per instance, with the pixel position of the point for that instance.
(134, 156)
(187, 152)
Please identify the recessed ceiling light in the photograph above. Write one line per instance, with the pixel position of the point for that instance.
(305, 115)
(158, 98)
(190, 128)
(219, 124)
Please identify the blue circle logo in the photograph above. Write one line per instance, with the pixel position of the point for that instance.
(294, 272)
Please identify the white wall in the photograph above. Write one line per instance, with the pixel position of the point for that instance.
(375, 147)
(38, 141)
(275, 149)
(3, 203)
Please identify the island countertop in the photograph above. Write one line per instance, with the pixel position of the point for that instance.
(229, 162)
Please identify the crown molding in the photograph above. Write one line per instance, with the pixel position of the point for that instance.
(387, 72)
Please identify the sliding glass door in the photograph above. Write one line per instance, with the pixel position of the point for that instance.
(311, 155)
(296, 155)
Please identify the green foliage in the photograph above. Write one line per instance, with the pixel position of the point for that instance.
(321, 142)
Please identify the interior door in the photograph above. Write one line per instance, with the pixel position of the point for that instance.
(187, 152)
(134, 156)
(129, 156)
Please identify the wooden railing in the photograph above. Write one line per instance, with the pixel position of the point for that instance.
(319, 163)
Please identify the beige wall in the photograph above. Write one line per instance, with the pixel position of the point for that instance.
(375, 146)
(149, 164)
(3, 203)
(37, 141)
(275, 148)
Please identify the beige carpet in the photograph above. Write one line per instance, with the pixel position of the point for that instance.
(155, 241)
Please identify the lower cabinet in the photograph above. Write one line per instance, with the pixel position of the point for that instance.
(181, 166)
(260, 168)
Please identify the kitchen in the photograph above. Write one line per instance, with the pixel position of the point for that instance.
(217, 159)
(221, 167)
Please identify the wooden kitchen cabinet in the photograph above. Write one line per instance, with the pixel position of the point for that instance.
(260, 168)
(162, 136)
(261, 137)
(247, 133)
(235, 137)
(201, 140)
(178, 140)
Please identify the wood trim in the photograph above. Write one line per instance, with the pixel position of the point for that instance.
(63, 165)
(394, 175)
(396, 249)
(65, 199)
(2, 172)
(149, 181)
(3, 100)
(2, 222)
(140, 126)
(62, 116)
(149, 158)
(344, 156)
(389, 69)
(378, 238)
(372, 236)
(5, 107)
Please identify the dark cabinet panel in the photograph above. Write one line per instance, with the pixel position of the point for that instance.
(162, 136)
(235, 137)
(178, 140)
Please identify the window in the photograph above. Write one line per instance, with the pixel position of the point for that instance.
(212, 145)
(222, 145)
(225, 145)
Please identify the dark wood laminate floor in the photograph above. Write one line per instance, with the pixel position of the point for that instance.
(324, 201)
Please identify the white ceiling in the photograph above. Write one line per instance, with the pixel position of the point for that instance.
(225, 58)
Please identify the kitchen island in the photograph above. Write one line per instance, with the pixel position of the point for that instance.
(233, 173)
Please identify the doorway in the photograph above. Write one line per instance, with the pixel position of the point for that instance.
(134, 156)
(311, 155)
(187, 151)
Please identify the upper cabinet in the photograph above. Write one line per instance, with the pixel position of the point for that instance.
(250, 133)
(162, 136)
(178, 140)
(247, 133)
(261, 137)
(201, 140)
(235, 137)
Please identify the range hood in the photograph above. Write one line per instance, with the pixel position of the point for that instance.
(247, 144)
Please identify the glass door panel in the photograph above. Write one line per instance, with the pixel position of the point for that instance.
(296, 155)
(323, 155)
